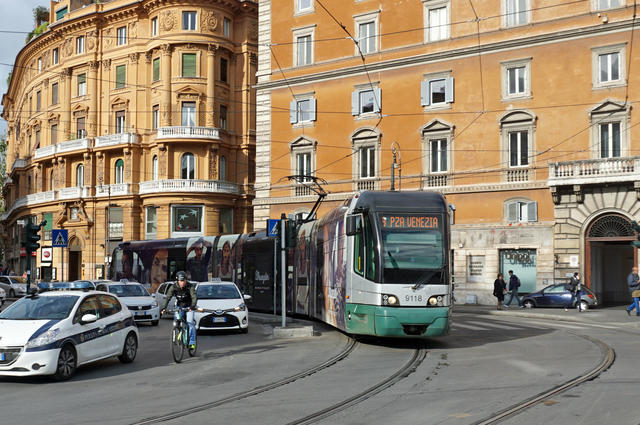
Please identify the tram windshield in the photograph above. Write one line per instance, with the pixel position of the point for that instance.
(412, 248)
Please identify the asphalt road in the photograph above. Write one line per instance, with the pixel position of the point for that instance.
(486, 364)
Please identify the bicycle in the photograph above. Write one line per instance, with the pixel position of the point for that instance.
(180, 335)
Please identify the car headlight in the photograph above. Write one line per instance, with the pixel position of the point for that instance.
(44, 339)
(436, 300)
(241, 307)
(154, 303)
(390, 300)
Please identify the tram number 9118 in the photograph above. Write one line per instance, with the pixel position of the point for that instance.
(413, 298)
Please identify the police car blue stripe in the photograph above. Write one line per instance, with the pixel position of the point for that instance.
(43, 329)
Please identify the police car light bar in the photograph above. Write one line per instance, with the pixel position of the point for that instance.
(64, 286)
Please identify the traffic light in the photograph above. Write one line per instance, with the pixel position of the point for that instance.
(31, 241)
(291, 233)
(636, 228)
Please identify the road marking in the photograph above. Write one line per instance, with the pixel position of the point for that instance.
(473, 328)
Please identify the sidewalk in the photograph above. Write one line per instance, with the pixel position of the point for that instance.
(607, 315)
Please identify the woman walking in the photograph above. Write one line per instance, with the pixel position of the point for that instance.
(499, 289)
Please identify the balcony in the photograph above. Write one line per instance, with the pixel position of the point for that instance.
(19, 163)
(115, 139)
(45, 151)
(179, 132)
(117, 189)
(40, 197)
(594, 171)
(436, 180)
(366, 184)
(73, 192)
(73, 145)
(517, 175)
(183, 185)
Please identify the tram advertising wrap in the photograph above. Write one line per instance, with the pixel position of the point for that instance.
(376, 265)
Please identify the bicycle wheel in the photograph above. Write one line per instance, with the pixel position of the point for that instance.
(177, 346)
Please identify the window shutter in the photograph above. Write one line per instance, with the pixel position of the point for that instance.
(424, 93)
(512, 212)
(377, 92)
(355, 103)
(313, 104)
(121, 75)
(448, 93)
(293, 109)
(532, 211)
(188, 65)
(156, 69)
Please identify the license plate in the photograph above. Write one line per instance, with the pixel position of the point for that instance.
(219, 319)
(2, 358)
(136, 313)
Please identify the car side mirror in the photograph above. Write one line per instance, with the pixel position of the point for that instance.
(247, 297)
(88, 318)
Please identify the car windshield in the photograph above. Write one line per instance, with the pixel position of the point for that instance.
(128, 290)
(217, 292)
(40, 308)
(18, 280)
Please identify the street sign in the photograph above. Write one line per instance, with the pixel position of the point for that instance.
(272, 227)
(46, 254)
(60, 238)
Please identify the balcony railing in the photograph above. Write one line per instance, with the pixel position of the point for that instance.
(115, 139)
(188, 132)
(19, 163)
(73, 192)
(366, 184)
(117, 189)
(45, 151)
(184, 185)
(436, 180)
(302, 190)
(73, 145)
(518, 175)
(591, 171)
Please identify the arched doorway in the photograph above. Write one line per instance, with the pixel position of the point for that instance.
(75, 259)
(609, 257)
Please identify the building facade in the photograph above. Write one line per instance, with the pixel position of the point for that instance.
(130, 120)
(519, 111)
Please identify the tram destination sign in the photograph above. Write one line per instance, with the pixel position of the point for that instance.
(410, 221)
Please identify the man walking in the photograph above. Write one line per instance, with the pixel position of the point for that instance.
(634, 285)
(514, 284)
(574, 287)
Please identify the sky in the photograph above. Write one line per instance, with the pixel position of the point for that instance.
(16, 21)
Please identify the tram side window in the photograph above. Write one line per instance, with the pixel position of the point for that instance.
(358, 248)
(371, 250)
(364, 252)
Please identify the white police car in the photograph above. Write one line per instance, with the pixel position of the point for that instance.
(143, 306)
(54, 332)
(224, 305)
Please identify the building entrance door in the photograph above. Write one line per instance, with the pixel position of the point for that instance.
(609, 258)
(75, 260)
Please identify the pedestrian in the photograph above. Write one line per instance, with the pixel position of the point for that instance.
(514, 284)
(574, 287)
(499, 289)
(634, 289)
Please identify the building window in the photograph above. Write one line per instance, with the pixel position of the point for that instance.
(516, 80)
(366, 146)
(120, 122)
(437, 137)
(437, 20)
(367, 160)
(303, 6)
(60, 13)
(155, 116)
(303, 46)
(189, 21)
(517, 129)
(366, 101)
(116, 223)
(437, 90)
(609, 140)
(222, 169)
(151, 227)
(610, 130)
(80, 175)
(516, 12)
(51, 180)
(82, 84)
(223, 117)
(81, 131)
(37, 139)
(38, 100)
(119, 171)
(154, 27)
(188, 114)
(606, 4)
(302, 164)
(366, 29)
(188, 167)
(80, 44)
(122, 36)
(518, 148)
(224, 71)
(39, 65)
(54, 93)
(188, 64)
(609, 69)
(520, 211)
(54, 134)
(186, 219)
(121, 76)
(154, 168)
(438, 153)
(56, 56)
(226, 27)
(156, 69)
(226, 220)
(302, 110)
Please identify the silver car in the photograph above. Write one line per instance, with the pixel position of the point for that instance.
(14, 286)
(3, 297)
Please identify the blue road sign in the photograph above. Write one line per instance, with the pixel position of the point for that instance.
(272, 227)
(60, 238)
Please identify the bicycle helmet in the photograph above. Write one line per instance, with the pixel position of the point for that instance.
(181, 276)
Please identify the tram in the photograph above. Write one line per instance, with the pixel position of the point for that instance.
(379, 265)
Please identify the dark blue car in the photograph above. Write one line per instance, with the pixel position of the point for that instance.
(558, 296)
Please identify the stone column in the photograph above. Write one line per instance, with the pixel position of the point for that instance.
(165, 106)
(107, 124)
(66, 103)
(211, 83)
(132, 119)
(92, 124)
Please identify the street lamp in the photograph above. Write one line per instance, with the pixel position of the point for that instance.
(395, 149)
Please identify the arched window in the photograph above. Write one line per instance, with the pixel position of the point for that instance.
(222, 170)
(188, 167)
(119, 171)
(80, 175)
(154, 167)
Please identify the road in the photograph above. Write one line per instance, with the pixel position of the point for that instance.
(487, 364)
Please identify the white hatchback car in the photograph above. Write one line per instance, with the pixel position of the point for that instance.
(3, 297)
(52, 333)
(225, 307)
(143, 306)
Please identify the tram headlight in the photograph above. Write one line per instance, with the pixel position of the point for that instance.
(436, 300)
(390, 300)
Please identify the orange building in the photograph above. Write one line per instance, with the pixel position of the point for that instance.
(130, 120)
(519, 111)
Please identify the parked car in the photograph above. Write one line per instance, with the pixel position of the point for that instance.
(137, 299)
(93, 282)
(60, 328)
(3, 297)
(14, 286)
(225, 305)
(558, 296)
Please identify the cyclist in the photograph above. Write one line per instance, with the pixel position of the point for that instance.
(185, 294)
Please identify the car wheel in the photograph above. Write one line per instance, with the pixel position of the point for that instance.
(528, 304)
(130, 349)
(584, 305)
(67, 363)
(155, 322)
(12, 293)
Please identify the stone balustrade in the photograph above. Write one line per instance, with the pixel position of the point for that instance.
(592, 171)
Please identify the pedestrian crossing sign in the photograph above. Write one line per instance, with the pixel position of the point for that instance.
(59, 237)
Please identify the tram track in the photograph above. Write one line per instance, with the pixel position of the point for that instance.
(347, 350)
